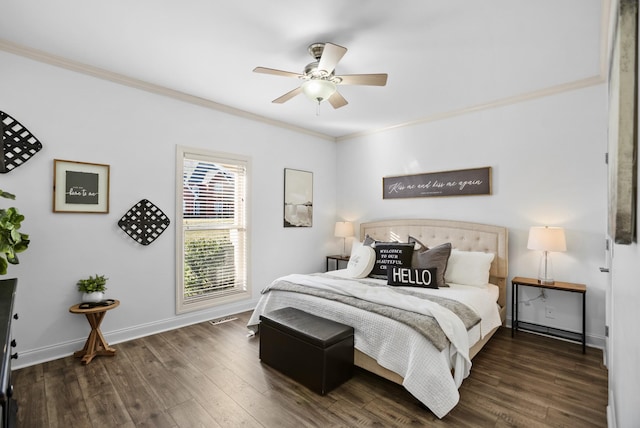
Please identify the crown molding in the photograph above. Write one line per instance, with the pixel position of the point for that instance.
(545, 92)
(605, 39)
(122, 79)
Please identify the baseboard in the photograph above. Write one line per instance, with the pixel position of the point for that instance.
(64, 349)
(611, 412)
(593, 341)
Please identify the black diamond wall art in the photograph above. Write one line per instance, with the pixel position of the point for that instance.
(144, 222)
(18, 144)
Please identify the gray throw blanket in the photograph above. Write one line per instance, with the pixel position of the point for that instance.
(425, 325)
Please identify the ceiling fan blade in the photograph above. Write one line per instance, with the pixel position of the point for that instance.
(337, 100)
(265, 70)
(331, 54)
(286, 97)
(364, 79)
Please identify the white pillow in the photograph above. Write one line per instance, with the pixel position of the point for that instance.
(468, 267)
(355, 246)
(361, 261)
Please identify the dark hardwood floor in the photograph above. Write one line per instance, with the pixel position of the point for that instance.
(210, 376)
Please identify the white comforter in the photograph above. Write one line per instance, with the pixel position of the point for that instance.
(394, 345)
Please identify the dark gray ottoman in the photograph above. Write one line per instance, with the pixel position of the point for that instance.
(314, 351)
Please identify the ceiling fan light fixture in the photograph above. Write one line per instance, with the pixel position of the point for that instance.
(318, 90)
(319, 78)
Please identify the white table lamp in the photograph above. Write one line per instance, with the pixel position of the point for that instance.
(546, 239)
(344, 230)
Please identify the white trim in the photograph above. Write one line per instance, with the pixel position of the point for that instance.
(65, 349)
(611, 411)
(593, 340)
(41, 56)
(121, 79)
(545, 92)
(210, 301)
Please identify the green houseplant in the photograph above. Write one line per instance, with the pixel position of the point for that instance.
(11, 240)
(93, 288)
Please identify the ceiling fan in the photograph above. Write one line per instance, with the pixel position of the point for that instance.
(319, 76)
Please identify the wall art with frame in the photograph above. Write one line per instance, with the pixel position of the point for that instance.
(474, 181)
(298, 198)
(80, 187)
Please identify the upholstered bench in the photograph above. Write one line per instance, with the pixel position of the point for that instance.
(314, 351)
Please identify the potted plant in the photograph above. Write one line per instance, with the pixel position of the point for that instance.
(93, 288)
(11, 240)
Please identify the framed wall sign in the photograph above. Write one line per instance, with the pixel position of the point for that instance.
(460, 182)
(298, 198)
(80, 187)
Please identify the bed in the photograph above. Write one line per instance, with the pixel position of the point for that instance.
(389, 347)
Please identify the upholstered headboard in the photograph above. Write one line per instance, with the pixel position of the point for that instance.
(464, 236)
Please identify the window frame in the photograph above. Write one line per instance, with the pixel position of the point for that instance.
(214, 299)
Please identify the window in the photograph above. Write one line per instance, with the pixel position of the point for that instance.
(212, 237)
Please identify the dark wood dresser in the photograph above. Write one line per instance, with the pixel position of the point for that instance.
(8, 404)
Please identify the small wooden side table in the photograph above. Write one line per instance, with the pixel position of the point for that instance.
(338, 259)
(95, 344)
(516, 324)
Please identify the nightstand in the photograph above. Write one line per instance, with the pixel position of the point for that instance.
(338, 259)
(95, 344)
(537, 328)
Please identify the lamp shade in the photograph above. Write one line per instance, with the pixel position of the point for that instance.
(547, 238)
(318, 90)
(344, 229)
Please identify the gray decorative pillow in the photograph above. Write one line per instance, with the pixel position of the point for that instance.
(436, 257)
(368, 241)
(417, 249)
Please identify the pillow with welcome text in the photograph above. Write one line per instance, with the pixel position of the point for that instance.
(389, 254)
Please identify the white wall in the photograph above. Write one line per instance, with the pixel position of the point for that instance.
(624, 373)
(546, 155)
(547, 158)
(81, 118)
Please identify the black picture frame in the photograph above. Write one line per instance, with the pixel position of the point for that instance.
(80, 187)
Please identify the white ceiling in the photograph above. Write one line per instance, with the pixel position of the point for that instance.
(443, 57)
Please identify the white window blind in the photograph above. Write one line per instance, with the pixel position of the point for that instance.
(213, 238)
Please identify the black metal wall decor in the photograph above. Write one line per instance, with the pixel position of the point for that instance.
(144, 222)
(18, 144)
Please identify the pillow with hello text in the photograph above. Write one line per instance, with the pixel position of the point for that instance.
(412, 277)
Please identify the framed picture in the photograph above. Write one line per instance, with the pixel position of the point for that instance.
(80, 187)
(298, 198)
(461, 182)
